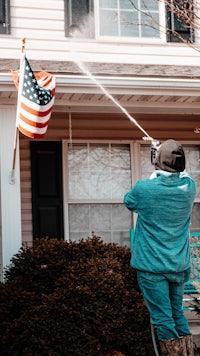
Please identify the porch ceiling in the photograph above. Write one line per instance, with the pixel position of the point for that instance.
(139, 95)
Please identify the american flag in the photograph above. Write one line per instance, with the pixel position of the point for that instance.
(36, 94)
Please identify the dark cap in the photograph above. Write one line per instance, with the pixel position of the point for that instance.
(170, 157)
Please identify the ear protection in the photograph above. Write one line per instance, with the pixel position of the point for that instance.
(155, 144)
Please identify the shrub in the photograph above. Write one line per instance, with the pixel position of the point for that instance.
(74, 299)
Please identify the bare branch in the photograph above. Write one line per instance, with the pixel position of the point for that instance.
(184, 13)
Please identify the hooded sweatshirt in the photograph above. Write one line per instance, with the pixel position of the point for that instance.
(164, 205)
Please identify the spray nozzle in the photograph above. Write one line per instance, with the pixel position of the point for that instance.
(154, 148)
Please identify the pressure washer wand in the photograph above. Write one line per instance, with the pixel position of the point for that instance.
(154, 148)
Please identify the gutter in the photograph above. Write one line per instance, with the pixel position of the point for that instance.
(116, 85)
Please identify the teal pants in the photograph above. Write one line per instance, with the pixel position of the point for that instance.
(163, 295)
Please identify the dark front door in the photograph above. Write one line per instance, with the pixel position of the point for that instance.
(47, 195)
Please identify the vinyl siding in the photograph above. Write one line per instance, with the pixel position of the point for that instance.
(36, 17)
(43, 26)
(10, 207)
(26, 203)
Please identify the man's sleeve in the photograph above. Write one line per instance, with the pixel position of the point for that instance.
(131, 199)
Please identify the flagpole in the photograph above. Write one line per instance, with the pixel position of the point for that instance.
(12, 176)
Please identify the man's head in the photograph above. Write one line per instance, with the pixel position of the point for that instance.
(170, 157)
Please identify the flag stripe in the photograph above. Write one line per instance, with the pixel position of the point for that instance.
(29, 133)
(32, 129)
(34, 118)
(33, 123)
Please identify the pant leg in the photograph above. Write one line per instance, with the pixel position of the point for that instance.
(176, 291)
(155, 290)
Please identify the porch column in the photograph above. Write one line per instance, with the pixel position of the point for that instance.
(10, 200)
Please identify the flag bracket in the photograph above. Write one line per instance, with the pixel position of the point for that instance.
(12, 177)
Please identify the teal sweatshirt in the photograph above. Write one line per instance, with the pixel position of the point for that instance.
(164, 205)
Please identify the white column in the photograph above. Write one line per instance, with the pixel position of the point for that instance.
(10, 199)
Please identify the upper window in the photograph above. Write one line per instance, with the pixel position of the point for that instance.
(142, 19)
(79, 18)
(115, 18)
(125, 18)
(4, 16)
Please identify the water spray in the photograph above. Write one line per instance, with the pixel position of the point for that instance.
(109, 96)
(154, 143)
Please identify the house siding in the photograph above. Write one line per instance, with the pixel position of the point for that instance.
(43, 26)
(10, 232)
(26, 202)
(36, 19)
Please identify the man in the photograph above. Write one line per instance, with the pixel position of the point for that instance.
(160, 250)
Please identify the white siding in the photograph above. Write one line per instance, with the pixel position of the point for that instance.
(39, 22)
(43, 25)
(10, 207)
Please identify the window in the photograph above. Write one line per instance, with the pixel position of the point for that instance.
(4, 16)
(180, 16)
(113, 18)
(79, 18)
(97, 177)
(125, 18)
(130, 19)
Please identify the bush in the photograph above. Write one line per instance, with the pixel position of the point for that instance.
(75, 299)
